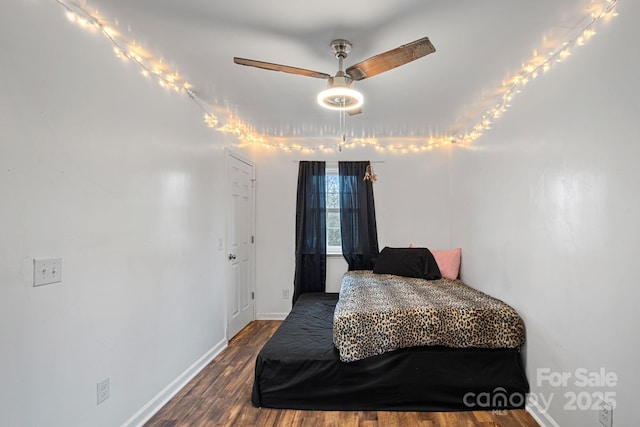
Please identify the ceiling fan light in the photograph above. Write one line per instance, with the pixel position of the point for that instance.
(340, 98)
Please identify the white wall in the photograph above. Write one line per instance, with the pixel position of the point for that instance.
(122, 180)
(407, 211)
(546, 209)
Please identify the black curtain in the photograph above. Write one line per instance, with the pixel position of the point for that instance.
(311, 230)
(357, 216)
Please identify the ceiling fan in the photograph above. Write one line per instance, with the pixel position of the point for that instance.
(339, 95)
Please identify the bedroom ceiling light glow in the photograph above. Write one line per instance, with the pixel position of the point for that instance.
(128, 50)
(339, 95)
(340, 98)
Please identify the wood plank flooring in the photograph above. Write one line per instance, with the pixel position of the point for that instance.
(220, 395)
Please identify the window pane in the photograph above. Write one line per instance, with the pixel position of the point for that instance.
(333, 237)
(332, 183)
(333, 201)
(333, 192)
(334, 240)
(333, 220)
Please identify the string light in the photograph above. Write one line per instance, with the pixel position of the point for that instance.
(533, 68)
(129, 50)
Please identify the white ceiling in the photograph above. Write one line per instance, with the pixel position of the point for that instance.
(478, 44)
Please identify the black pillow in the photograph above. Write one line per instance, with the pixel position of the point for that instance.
(408, 262)
(431, 269)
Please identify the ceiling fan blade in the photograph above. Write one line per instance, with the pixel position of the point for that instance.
(278, 67)
(391, 59)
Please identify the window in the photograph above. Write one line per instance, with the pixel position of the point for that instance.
(334, 239)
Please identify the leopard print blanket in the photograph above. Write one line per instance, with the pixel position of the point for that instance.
(377, 313)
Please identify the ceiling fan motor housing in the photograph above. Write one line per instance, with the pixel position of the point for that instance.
(340, 79)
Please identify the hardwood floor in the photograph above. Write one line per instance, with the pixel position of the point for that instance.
(220, 395)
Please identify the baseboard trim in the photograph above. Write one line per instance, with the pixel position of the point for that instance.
(159, 400)
(271, 316)
(541, 416)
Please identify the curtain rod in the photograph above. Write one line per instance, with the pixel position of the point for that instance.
(336, 161)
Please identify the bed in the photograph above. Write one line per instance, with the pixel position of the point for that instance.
(300, 367)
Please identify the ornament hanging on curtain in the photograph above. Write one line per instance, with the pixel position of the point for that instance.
(369, 175)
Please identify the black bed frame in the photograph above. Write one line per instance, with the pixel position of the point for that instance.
(299, 368)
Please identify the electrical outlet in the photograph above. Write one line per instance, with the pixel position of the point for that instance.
(46, 271)
(104, 390)
(285, 294)
(606, 414)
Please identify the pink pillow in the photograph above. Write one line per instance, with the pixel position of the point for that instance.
(448, 262)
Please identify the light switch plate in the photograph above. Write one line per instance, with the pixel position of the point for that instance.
(104, 390)
(47, 271)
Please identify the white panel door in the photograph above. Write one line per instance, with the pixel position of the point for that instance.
(240, 249)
